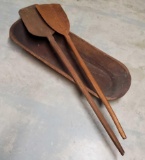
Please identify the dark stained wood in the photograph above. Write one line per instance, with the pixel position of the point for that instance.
(32, 14)
(113, 77)
(55, 17)
(104, 68)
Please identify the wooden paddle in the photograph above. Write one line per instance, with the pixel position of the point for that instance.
(55, 17)
(38, 27)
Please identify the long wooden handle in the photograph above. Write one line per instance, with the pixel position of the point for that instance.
(85, 92)
(96, 86)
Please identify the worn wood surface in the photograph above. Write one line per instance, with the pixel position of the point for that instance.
(30, 17)
(113, 77)
(40, 48)
(54, 15)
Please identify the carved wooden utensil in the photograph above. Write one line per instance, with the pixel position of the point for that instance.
(56, 18)
(38, 27)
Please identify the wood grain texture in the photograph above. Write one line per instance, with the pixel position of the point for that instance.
(29, 13)
(55, 17)
(114, 81)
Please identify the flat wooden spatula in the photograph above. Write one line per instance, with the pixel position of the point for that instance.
(36, 26)
(55, 17)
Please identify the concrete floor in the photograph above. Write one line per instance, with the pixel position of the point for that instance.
(43, 116)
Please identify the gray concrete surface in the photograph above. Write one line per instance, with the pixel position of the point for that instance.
(43, 116)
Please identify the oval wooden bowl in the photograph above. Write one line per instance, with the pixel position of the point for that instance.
(112, 76)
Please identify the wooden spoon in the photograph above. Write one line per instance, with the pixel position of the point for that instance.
(55, 17)
(38, 27)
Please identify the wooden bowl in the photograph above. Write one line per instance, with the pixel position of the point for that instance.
(112, 76)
